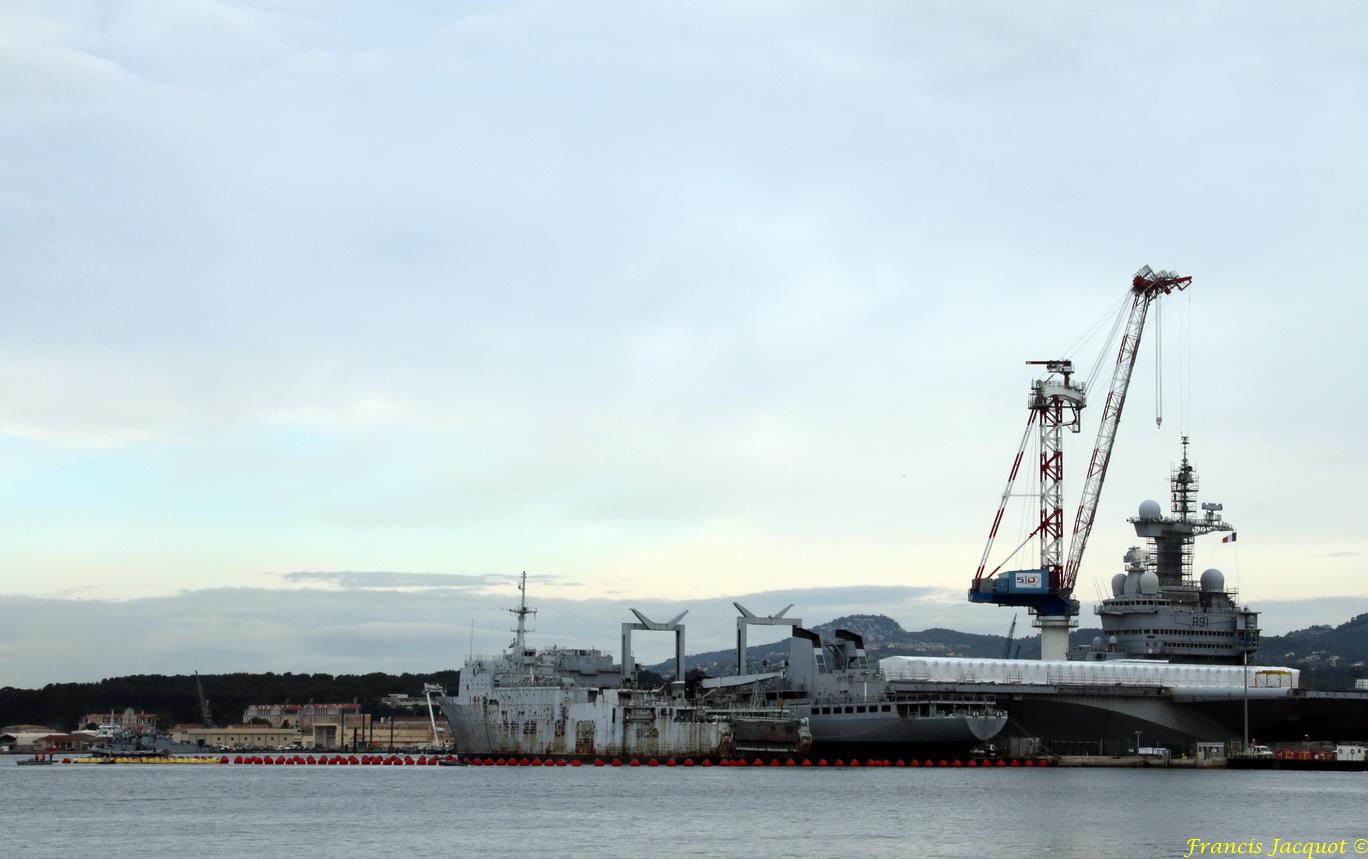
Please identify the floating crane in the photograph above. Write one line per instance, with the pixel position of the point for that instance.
(1055, 403)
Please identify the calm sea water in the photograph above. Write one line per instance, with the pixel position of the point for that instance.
(119, 811)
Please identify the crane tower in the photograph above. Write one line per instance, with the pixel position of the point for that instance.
(1055, 404)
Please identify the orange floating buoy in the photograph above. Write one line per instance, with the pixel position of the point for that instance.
(757, 763)
(1000, 763)
(536, 762)
(653, 763)
(942, 763)
(1042, 763)
(598, 762)
(66, 760)
(688, 762)
(839, 763)
(774, 762)
(822, 762)
(1015, 763)
(617, 762)
(806, 762)
(670, 762)
(900, 763)
(972, 764)
(561, 762)
(237, 759)
(223, 760)
(635, 762)
(576, 762)
(1027, 763)
(957, 763)
(707, 762)
(855, 762)
(790, 763)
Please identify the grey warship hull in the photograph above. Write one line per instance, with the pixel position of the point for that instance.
(607, 722)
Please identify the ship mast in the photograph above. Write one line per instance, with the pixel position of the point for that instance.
(522, 611)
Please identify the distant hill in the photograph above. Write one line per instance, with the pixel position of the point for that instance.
(1329, 657)
(883, 636)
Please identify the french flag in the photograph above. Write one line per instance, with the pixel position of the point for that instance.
(1229, 538)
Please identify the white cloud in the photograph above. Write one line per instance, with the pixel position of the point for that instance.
(670, 299)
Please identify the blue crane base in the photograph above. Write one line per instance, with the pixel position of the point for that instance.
(1025, 589)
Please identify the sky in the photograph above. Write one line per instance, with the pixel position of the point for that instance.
(661, 303)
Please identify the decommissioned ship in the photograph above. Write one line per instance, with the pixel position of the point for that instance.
(848, 702)
(559, 702)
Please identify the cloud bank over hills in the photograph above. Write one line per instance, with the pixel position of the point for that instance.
(386, 621)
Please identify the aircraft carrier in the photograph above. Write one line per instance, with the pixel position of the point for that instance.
(1172, 666)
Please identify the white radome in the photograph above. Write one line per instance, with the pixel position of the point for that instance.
(1213, 580)
(1150, 509)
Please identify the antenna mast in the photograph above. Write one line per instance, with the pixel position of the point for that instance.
(522, 611)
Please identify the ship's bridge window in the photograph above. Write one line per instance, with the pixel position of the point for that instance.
(859, 709)
(850, 709)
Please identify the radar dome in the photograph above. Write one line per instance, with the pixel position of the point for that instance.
(1213, 581)
(1118, 584)
(1150, 509)
(1149, 583)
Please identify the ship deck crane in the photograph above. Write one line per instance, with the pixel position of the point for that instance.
(1056, 403)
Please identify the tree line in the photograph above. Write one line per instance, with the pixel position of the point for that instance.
(174, 699)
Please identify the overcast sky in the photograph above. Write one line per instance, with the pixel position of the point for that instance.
(660, 302)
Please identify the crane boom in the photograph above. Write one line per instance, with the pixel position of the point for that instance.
(1146, 286)
(205, 716)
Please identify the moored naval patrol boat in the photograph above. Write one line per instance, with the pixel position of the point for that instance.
(558, 702)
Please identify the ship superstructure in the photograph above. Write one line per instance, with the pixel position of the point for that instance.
(850, 705)
(1157, 609)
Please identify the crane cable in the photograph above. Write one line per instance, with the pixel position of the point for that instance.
(1108, 344)
(1159, 364)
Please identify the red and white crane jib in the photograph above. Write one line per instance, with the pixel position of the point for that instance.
(1146, 286)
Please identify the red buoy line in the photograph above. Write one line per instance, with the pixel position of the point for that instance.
(391, 759)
